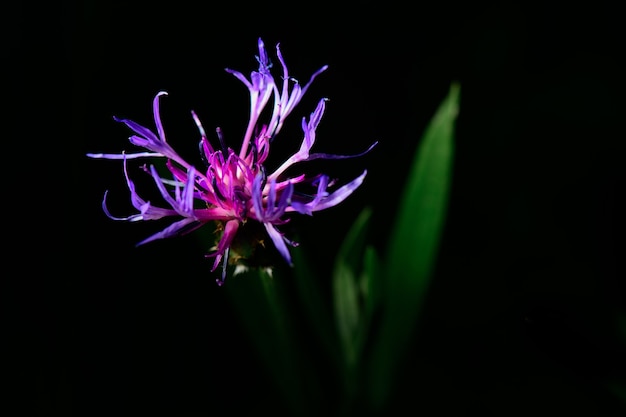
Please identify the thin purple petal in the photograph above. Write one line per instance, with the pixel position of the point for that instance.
(230, 230)
(240, 76)
(157, 115)
(279, 241)
(331, 156)
(148, 212)
(124, 155)
(339, 195)
(139, 129)
(179, 228)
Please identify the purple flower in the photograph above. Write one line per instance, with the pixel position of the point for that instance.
(233, 190)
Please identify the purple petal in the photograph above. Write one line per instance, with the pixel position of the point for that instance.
(139, 129)
(132, 217)
(342, 193)
(257, 195)
(279, 241)
(271, 196)
(186, 202)
(315, 74)
(230, 230)
(157, 115)
(310, 127)
(339, 195)
(307, 208)
(179, 228)
(291, 104)
(285, 199)
(264, 62)
(182, 204)
(331, 156)
(148, 212)
(124, 155)
(316, 116)
(241, 77)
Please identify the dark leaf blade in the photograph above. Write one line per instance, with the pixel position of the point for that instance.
(346, 289)
(413, 245)
(263, 306)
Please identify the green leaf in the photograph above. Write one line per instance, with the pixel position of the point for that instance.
(347, 291)
(314, 304)
(370, 286)
(262, 303)
(413, 245)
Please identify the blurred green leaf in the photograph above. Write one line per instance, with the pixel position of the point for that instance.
(348, 274)
(370, 286)
(412, 248)
(315, 305)
(262, 302)
(346, 295)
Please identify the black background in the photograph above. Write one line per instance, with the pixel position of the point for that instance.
(526, 306)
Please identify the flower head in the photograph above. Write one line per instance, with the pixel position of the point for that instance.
(234, 190)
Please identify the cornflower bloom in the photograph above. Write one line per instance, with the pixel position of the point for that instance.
(234, 189)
